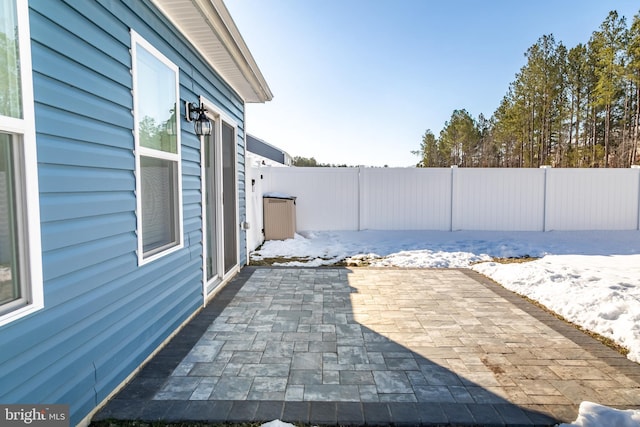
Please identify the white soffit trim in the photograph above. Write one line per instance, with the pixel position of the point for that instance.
(208, 25)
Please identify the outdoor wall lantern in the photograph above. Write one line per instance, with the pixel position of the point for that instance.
(196, 114)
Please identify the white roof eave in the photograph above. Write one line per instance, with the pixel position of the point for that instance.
(208, 25)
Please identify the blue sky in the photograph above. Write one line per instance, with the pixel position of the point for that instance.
(359, 81)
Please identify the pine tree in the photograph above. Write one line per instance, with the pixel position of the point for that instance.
(633, 73)
(577, 72)
(428, 151)
(304, 161)
(510, 130)
(577, 107)
(607, 44)
(541, 84)
(487, 150)
(459, 139)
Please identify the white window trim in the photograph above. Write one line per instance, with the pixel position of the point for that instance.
(136, 40)
(26, 129)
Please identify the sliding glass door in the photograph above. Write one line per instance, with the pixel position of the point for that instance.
(220, 203)
(210, 211)
(229, 200)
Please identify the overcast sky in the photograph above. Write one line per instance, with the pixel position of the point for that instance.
(359, 81)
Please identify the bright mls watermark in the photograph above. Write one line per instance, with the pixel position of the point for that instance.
(34, 415)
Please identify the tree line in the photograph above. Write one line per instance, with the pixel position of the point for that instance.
(577, 107)
(312, 162)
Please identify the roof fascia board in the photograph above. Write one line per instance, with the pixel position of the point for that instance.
(244, 75)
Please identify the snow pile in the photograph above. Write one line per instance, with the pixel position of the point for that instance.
(592, 278)
(442, 247)
(599, 293)
(318, 251)
(594, 415)
(426, 258)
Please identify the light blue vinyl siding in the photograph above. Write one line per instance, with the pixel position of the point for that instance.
(103, 313)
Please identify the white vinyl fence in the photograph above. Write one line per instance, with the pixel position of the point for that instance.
(451, 198)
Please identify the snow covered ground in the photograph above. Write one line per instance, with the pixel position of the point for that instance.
(594, 415)
(591, 278)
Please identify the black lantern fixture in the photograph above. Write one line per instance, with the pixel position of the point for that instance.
(196, 114)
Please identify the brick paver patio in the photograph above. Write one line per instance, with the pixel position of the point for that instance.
(375, 346)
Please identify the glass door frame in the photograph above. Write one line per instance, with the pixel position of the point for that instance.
(211, 286)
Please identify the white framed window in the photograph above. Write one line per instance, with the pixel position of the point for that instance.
(21, 289)
(157, 149)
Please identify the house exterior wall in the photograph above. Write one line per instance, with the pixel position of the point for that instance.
(263, 153)
(104, 314)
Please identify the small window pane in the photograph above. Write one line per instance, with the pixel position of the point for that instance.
(159, 204)
(10, 88)
(9, 281)
(156, 95)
